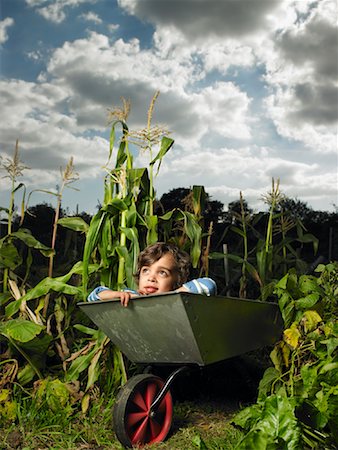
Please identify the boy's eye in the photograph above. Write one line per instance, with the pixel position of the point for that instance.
(145, 270)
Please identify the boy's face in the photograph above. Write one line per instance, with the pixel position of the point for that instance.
(159, 277)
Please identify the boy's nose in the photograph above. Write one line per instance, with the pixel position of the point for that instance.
(151, 277)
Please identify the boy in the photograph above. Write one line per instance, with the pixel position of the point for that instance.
(161, 268)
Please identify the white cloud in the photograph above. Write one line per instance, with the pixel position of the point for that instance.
(91, 17)
(201, 19)
(302, 71)
(4, 24)
(55, 11)
(216, 123)
(47, 136)
(112, 27)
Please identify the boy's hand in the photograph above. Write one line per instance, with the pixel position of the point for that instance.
(182, 289)
(110, 295)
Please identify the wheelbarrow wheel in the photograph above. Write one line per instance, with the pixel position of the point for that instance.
(134, 422)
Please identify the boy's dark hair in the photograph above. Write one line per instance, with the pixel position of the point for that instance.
(154, 252)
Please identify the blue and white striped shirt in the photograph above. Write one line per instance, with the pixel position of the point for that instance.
(205, 286)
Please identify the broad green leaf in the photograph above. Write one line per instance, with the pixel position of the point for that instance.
(116, 206)
(287, 307)
(277, 358)
(9, 256)
(308, 238)
(86, 330)
(42, 288)
(168, 215)
(331, 343)
(231, 256)
(166, 144)
(131, 216)
(74, 223)
(256, 439)
(4, 298)
(238, 231)
(308, 301)
(282, 283)
(26, 375)
(136, 179)
(94, 369)
(26, 237)
(248, 416)
(270, 376)
(279, 422)
(308, 284)
(121, 156)
(152, 235)
(128, 258)
(20, 330)
(194, 233)
(329, 367)
(92, 238)
(39, 345)
(79, 364)
(198, 196)
(309, 377)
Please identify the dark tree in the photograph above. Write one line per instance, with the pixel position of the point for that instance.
(296, 208)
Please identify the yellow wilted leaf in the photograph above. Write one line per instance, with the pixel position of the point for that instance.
(85, 403)
(310, 320)
(8, 411)
(4, 395)
(292, 335)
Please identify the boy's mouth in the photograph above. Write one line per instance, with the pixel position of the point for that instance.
(150, 289)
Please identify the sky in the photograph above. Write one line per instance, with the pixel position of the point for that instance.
(248, 90)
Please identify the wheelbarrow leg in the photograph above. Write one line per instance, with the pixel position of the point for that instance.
(160, 396)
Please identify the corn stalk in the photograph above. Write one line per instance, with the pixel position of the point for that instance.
(14, 169)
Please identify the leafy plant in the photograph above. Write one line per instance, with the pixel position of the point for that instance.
(10, 258)
(267, 256)
(68, 176)
(297, 403)
(126, 222)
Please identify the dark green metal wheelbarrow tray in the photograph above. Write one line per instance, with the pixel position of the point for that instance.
(180, 329)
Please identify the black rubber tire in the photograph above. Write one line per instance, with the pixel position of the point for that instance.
(133, 424)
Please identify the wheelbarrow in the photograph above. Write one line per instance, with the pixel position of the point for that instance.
(181, 330)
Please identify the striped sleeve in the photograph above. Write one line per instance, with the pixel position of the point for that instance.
(205, 286)
(94, 295)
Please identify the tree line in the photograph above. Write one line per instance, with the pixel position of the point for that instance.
(217, 223)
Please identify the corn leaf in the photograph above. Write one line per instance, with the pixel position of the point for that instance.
(9, 256)
(166, 144)
(26, 237)
(74, 223)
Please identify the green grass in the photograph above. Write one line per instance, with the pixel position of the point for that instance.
(204, 405)
(203, 422)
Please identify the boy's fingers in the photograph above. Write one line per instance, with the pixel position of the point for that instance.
(125, 298)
